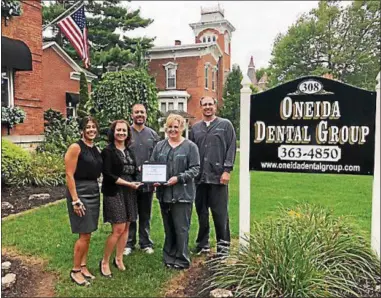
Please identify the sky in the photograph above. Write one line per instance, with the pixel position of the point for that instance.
(257, 24)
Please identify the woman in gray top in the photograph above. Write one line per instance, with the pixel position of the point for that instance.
(176, 196)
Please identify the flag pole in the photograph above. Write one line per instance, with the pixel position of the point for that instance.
(62, 14)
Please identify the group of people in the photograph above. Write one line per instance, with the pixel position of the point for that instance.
(198, 170)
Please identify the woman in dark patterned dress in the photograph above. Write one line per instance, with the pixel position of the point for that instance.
(119, 193)
(83, 164)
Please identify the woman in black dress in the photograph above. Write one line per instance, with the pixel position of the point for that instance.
(83, 164)
(119, 193)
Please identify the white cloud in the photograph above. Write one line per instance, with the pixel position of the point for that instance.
(257, 23)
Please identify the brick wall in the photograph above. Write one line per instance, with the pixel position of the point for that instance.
(28, 84)
(190, 76)
(56, 78)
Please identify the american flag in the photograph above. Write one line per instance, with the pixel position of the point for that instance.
(74, 28)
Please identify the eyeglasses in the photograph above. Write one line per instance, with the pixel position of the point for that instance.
(210, 104)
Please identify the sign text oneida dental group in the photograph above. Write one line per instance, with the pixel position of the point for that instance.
(313, 125)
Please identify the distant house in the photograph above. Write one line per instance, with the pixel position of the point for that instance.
(21, 71)
(61, 80)
(186, 72)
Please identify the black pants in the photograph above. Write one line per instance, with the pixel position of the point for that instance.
(176, 220)
(144, 217)
(215, 197)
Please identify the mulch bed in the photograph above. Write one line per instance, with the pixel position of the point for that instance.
(19, 197)
(31, 280)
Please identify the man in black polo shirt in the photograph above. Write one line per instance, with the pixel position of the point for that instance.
(216, 140)
(143, 140)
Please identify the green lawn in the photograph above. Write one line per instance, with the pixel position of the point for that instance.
(46, 232)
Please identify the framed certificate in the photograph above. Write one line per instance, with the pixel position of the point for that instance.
(154, 172)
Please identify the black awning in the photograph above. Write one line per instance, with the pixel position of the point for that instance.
(15, 54)
(72, 99)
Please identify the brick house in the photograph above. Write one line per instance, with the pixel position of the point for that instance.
(21, 71)
(60, 90)
(185, 73)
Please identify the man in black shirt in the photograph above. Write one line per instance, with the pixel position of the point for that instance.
(143, 141)
(216, 140)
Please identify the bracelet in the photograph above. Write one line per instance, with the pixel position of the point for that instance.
(77, 202)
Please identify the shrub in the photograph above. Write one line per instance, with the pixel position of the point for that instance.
(20, 168)
(59, 132)
(15, 162)
(305, 252)
(46, 169)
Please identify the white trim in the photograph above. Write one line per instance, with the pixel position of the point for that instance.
(76, 76)
(17, 139)
(193, 50)
(168, 66)
(173, 94)
(9, 75)
(220, 25)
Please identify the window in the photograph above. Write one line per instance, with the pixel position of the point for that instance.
(206, 77)
(170, 106)
(71, 111)
(171, 78)
(163, 107)
(204, 39)
(226, 39)
(180, 106)
(214, 80)
(209, 39)
(170, 69)
(7, 87)
(214, 38)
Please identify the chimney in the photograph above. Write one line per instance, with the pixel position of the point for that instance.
(177, 42)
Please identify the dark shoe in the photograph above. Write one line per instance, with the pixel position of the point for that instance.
(100, 269)
(170, 266)
(82, 284)
(116, 265)
(85, 275)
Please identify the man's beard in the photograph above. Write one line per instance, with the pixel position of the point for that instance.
(139, 121)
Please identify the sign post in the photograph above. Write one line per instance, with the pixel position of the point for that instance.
(375, 235)
(244, 173)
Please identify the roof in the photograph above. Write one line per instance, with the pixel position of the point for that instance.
(183, 47)
(186, 50)
(52, 44)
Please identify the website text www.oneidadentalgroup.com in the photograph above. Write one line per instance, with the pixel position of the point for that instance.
(316, 166)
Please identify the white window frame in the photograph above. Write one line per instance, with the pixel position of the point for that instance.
(170, 66)
(175, 102)
(9, 75)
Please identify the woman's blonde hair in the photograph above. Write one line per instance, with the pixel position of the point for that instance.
(175, 117)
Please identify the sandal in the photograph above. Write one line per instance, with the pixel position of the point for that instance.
(116, 265)
(84, 283)
(100, 269)
(85, 275)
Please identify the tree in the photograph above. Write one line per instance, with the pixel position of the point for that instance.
(232, 95)
(342, 41)
(107, 23)
(260, 72)
(117, 92)
(83, 96)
